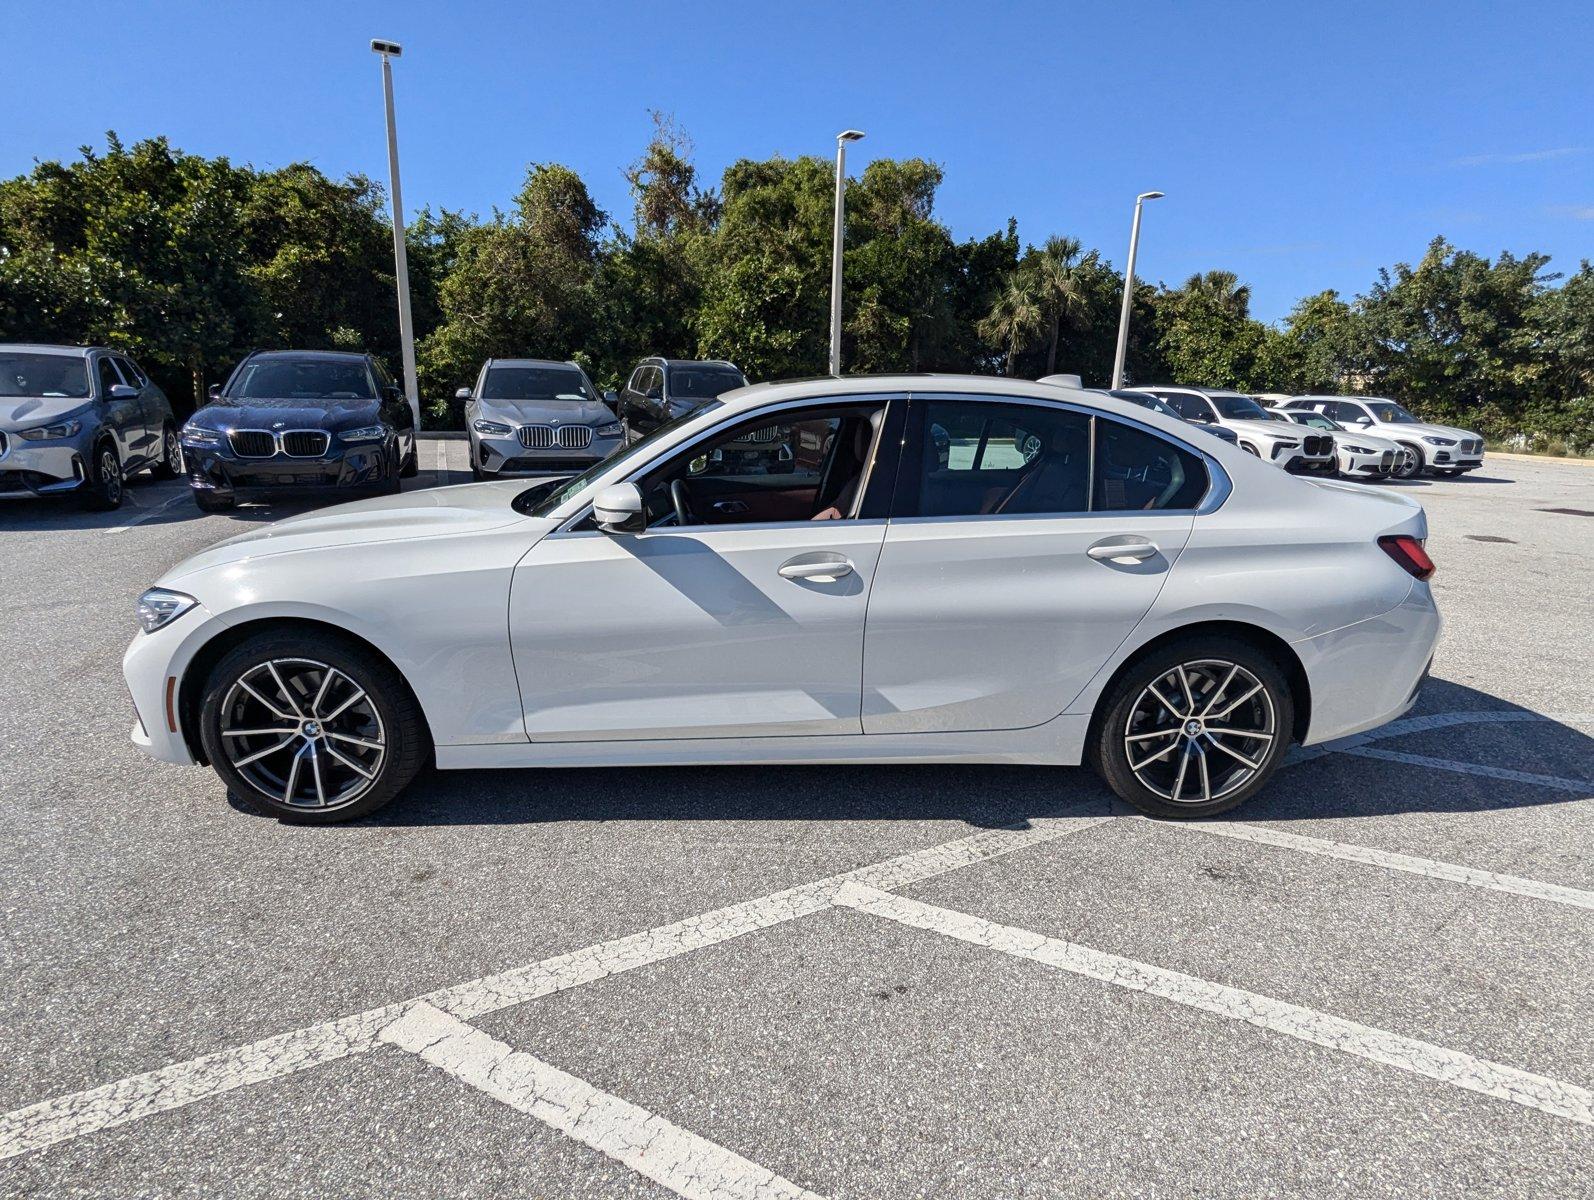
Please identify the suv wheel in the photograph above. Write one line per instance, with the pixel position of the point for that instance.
(170, 464)
(103, 490)
(1194, 729)
(1412, 466)
(311, 729)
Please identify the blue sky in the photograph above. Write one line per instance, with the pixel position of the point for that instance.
(1301, 145)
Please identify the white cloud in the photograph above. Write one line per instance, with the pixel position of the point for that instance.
(1529, 156)
(1578, 212)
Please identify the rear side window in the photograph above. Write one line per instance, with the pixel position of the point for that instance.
(130, 372)
(1136, 469)
(990, 459)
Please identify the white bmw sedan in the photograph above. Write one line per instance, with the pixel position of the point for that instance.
(891, 569)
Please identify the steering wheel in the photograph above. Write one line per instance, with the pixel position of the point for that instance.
(683, 509)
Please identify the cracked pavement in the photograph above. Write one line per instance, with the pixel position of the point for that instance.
(913, 981)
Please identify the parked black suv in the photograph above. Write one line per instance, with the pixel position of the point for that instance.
(300, 420)
(661, 389)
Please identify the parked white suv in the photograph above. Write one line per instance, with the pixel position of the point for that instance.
(1441, 449)
(1298, 450)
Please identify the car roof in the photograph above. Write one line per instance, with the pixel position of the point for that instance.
(46, 348)
(693, 362)
(320, 355)
(534, 362)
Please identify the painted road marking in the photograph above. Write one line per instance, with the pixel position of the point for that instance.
(680, 1160)
(180, 1084)
(1584, 787)
(1424, 724)
(1452, 1067)
(150, 514)
(1450, 872)
(442, 462)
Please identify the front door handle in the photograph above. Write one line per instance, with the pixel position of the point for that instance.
(820, 570)
(729, 506)
(1112, 549)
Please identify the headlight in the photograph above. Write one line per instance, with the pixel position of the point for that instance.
(48, 433)
(195, 435)
(1439, 441)
(366, 433)
(1287, 445)
(1361, 449)
(158, 608)
(492, 428)
(610, 430)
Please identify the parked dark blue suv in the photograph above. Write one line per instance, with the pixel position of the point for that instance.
(299, 421)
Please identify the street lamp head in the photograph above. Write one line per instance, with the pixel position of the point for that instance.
(850, 135)
(1149, 196)
(384, 47)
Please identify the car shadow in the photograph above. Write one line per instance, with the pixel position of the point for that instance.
(990, 796)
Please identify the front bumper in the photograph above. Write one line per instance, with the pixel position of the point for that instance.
(30, 469)
(1378, 465)
(153, 669)
(1450, 460)
(1301, 465)
(217, 469)
(506, 456)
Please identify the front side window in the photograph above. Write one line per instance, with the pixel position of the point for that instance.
(1191, 408)
(977, 458)
(810, 465)
(130, 372)
(1392, 414)
(1240, 408)
(1136, 469)
(301, 379)
(53, 375)
(547, 384)
(1316, 421)
(108, 377)
(703, 383)
(1345, 413)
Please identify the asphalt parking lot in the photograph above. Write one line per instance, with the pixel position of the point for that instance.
(769, 982)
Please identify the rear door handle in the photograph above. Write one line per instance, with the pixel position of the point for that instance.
(820, 570)
(1111, 549)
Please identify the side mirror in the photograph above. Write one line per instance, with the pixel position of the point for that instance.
(618, 509)
(612, 399)
(121, 391)
(655, 392)
(213, 392)
(462, 395)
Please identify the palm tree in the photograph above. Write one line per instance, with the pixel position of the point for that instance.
(1014, 317)
(1222, 290)
(1059, 287)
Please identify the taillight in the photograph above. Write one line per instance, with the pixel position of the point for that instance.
(1408, 552)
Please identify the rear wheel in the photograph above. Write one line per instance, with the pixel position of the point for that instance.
(310, 728)
(170, 465)
(1194, 729)
(103, 489)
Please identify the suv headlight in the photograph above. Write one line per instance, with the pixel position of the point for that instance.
(1361, 449)
(159, 607)
(612, 429)
(196, 435)
(366, 433)
(1439, 441)
(49, 433)
(491, 428)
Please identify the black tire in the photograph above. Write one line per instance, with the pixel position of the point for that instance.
(477, 473)
(170, 463)
(1415, 467)
(394, 481)
(104, 487)
(393, 712)
(1448, 472)
(412, 462)
(1251, 450)
(1205, 658)
(211, 503)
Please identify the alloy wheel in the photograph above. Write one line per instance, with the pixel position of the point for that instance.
(174, 453)
(303, 733)
(1200, 731)
(110, 476)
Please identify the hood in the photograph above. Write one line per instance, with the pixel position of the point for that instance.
(1355, 437)
(227, 414)
(1276, 429)
(27, 411)
(1419, 429)
(546, 412)
(438, 512)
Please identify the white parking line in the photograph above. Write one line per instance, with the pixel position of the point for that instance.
(442, 462)
(180, 1084)
(1427, 723)
(149, 514)
(1450, 872)
(680, 1160)
(1452, 1067)
(1583, 786)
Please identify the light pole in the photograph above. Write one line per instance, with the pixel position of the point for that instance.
(401, 267)
(1129, 291)
(842, 138)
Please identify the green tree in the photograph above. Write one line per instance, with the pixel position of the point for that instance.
(1015, 317)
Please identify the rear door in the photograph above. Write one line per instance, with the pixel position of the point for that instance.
(1026, 542)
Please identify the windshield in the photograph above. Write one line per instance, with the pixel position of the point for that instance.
(536, 383)
(43, 375)
(1392, 414)
(703, 383)
(1146, 400)
(1318, 421)
(1240, 408)
(540, 504)
(302, 379)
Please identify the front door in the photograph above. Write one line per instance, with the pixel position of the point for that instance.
(735, 614)
(122, 415)
(1026, 543)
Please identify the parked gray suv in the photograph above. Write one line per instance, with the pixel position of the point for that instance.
(533, 415)
(80, 419)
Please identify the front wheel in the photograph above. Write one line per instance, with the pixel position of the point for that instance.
(1412, 465)
(102, 490)
(1194, 729)
(310, 728)
(170, 464)
(412, 462)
